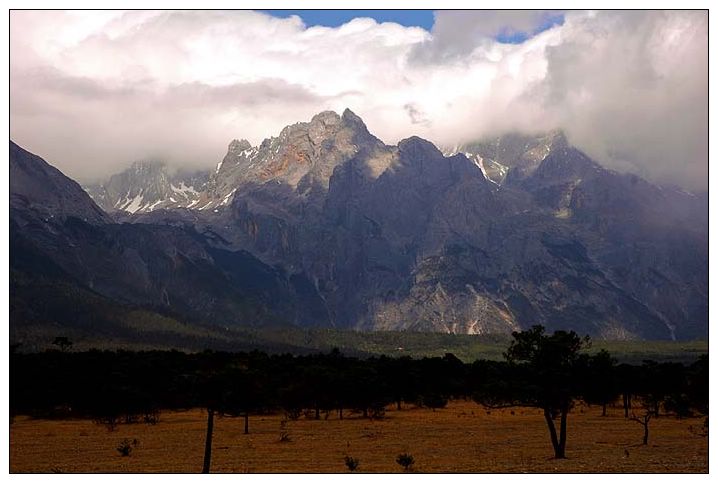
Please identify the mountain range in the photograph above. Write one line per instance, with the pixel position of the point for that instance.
(325, 225)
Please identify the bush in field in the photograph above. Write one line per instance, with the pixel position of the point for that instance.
(377, 411)
(110, 422)
(283, 433)
(126, 446)
(405, 460)
(152, 417)
(434, 401)
(352, 463)
(293, 413)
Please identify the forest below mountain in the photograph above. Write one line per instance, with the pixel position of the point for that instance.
(549, 372)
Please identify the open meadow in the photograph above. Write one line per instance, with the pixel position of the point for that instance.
(463, 437)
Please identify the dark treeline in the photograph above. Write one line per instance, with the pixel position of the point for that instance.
(116, 384)
(549, 372)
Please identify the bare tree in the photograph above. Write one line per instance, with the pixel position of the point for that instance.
(643, 420)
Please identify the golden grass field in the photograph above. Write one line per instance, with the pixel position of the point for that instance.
(463, 438)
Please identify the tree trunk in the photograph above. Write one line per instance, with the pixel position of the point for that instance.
(644, 422)
(208, 441)
(365, 411)
(398, 404)
(341, 413)
(562, 443)
(626, 404)
(603, 413)
(316, 412)
(246, 423)
(552, 432)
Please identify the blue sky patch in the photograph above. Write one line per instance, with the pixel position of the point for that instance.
(408, 18)
(335, 18)
(514, 37)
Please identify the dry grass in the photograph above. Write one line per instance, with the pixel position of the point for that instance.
(463, 438)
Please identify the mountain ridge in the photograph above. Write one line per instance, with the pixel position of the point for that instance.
(406, 237)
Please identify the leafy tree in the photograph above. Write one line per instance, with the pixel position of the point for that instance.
(628, 381)
(697, 385)
(663, 385)
(542, 372)
(434, 401)
(602, 384)
(402, 379)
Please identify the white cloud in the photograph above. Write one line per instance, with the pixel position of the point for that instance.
(93, 91)
(458, 32)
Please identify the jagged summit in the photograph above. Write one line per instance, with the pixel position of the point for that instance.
(416, 143)
(238, 145)
(349, 116)
(326, 117)
(406, 238)
(516, 152)
(147, 186)
(148, 165)
(303, 158)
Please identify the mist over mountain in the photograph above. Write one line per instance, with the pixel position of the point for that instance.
(326, 225)
(148, 185)
(629, 88)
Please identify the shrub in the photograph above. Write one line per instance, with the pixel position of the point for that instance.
(152, 417)
(377, 411)
(126, 446)
(293, 413)
(352, 463)
(283, 433)
(405, 460)
(131, 418)
(110, 422)
(434, 401)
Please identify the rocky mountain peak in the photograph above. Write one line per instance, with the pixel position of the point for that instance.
(557, 138)
(146, 186)
(328, 118)
(303, 157)
(416, 146)
(515, 154)
(237, 146)
(349, 118)
(403, 237)
(306, 153)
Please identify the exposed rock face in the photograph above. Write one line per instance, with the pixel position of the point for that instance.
(148, 186)
(521, 154)
(406, 238)
(517, 231)
(302, 157)
(168, 268)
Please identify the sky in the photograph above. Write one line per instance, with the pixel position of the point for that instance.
(337, 18)
(93, 91)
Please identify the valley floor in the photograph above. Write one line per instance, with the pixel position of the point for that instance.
(463, 438)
